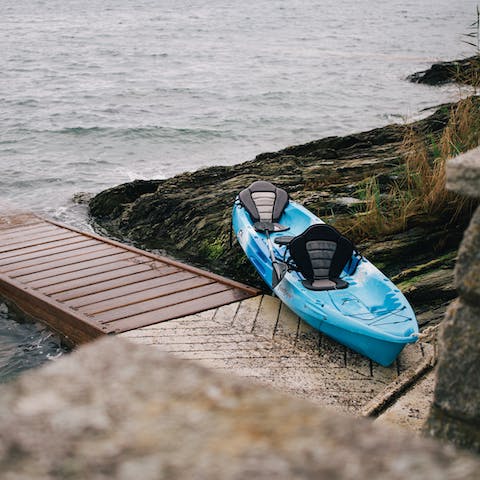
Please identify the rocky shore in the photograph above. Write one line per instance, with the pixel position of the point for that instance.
(188, 216)
(465, 71)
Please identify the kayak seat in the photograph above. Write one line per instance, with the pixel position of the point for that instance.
(265, 203)
(283, 240)
(320, 254)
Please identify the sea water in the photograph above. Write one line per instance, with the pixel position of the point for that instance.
(24, 344)
(98, 92)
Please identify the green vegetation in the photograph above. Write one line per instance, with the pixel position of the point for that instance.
(212, 250)
(418, 193)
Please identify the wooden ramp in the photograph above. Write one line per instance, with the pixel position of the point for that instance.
(84, 286)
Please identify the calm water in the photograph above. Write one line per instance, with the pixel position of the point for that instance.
(98, 92)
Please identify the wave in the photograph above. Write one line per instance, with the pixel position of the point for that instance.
(151, 131)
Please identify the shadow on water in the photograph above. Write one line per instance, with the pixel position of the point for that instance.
(24, 343)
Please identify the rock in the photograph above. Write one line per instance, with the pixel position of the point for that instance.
(429, 287)
(189, 215)
(82, 198)
(118, 199)
(465, 71)
(463, 173)
(467, 272)
(455, 414)
(114, 410)
(458, 382)
(463, 176)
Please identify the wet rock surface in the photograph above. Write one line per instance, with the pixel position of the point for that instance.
(188, 216)
(455, 414)
(120, 411)
(465, 71)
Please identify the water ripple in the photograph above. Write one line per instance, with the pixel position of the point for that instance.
(24, 344)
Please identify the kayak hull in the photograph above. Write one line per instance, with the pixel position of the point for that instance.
(370, 316)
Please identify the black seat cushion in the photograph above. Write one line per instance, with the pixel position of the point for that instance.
(321, 253)
(264, 201)
(283, 240)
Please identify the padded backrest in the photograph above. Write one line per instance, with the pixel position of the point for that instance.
(320, 252)
(264, 201)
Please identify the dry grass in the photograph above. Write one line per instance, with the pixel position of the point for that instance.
(420, 191)
(469, 75)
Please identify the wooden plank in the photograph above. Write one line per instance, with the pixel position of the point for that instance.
(6, 226)
(9, 222)
(33, 243)
(90, 277)
(308, 336)
(38, 255)
(72, 326)
(358, 363)
(51, 232)
(162, 302)
(145, 296)
(22, 232)
(85, 288)
(177, 311)
(42, 248)
(225, 314)
(58, 275)
(63, 257)
(104, 251)
(183, 266)
(156, 280)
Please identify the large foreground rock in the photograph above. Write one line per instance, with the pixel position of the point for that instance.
(113, 410)
(455, 414)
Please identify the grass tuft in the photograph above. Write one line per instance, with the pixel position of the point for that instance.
(418, 194)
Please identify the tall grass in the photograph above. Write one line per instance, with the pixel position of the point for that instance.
(419, 193)
(472, 37)
(471, 74)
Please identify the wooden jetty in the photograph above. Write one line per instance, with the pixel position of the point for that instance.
(84, 286)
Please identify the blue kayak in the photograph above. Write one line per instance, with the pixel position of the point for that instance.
(320, 276)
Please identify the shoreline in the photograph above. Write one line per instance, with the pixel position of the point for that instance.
(188, 216)
(465, 71)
